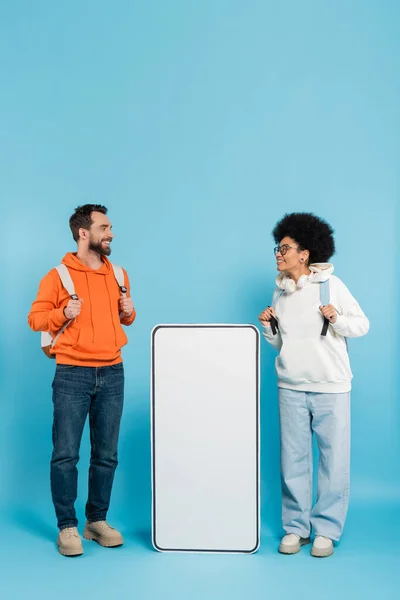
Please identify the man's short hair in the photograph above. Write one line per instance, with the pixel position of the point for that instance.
(82, 217)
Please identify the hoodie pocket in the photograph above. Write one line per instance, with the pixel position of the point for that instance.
(313, 360)
(69, 337)
(121, 337)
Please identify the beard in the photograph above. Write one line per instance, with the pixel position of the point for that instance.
(99, 248)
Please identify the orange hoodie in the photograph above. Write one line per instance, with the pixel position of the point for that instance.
(95, 337)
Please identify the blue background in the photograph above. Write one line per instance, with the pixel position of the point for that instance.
(198, 123)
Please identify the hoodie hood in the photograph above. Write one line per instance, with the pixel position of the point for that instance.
(72, 262)
(319, 272)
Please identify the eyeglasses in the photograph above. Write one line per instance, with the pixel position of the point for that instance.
(283, 249)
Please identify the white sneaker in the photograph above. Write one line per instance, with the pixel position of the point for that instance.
(291, 543)
(69, 542)
(322, 547)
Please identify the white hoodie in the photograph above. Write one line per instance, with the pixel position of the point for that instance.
(308, 361)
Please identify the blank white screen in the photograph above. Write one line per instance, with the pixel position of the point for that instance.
(205, 432)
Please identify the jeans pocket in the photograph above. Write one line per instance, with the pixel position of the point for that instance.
(62, 373)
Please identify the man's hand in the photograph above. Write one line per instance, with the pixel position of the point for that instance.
(329, 312)
(266, 315)
(73, 309)
(126, 307)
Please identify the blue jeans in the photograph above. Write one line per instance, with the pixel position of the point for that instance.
(77, 393)
(303, 414)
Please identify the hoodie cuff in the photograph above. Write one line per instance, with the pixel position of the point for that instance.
(58, 317)
(338, 323)
(129, 320)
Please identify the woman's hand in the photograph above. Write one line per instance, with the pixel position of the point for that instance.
(329, 312)
(265, 316)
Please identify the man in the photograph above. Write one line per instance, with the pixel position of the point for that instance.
(89, 378)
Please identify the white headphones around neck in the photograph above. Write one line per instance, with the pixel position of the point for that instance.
(302, 281)
(290, 286)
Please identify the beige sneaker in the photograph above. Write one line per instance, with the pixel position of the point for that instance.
(322, 547)
(102, 533)
(69, 542)
(291, 543)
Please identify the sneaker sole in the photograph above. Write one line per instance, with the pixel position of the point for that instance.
(321, 553)
(284, 549)
(70, 553)
(92, 537)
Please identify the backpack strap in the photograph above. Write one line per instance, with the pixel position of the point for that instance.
(325, 298)
(66, 280)
(274, 321)
(47, 339)
(277, 297)
(119, 276)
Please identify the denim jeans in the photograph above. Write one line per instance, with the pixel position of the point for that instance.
(77, 393)
(303, 414)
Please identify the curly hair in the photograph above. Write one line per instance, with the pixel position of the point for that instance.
(82, 217)
(309, 232)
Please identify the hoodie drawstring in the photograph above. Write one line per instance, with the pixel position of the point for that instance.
(111, 311)
(90, 303)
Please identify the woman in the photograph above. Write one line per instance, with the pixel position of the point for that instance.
(314, 380)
